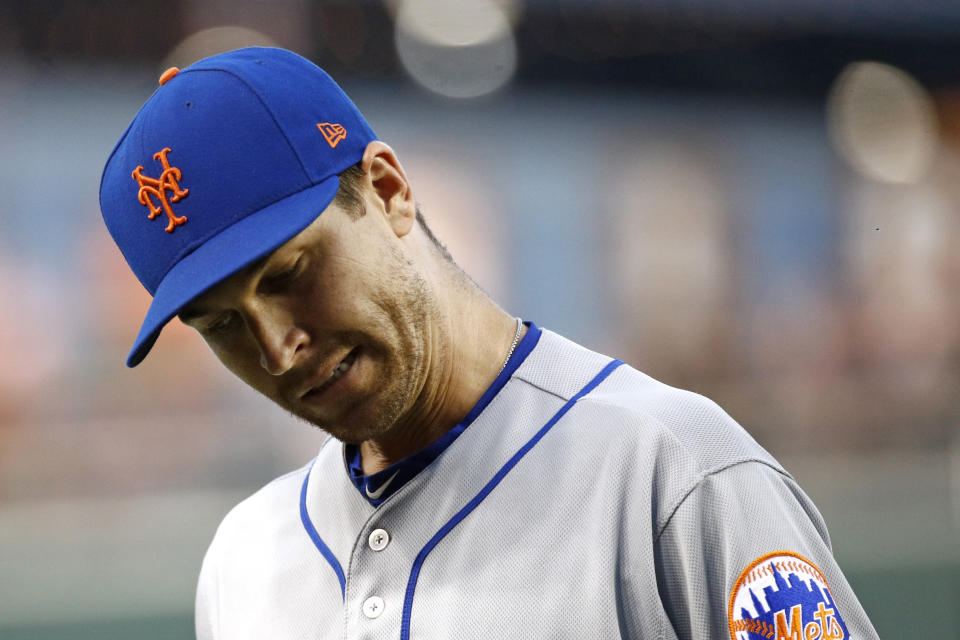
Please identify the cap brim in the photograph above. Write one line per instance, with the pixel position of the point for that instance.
(234, 248)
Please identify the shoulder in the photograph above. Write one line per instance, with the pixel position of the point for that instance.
(265, 517)
(274, 500)
(259, 550)
(631, 409)
(254, 523)
(695, 427)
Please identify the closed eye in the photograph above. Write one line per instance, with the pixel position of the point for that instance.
(277, 281)
(219, 323)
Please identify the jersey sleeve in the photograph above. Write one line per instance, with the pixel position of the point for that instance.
(746, 555)
(206, 610)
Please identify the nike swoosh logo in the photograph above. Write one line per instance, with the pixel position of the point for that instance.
(375, 495)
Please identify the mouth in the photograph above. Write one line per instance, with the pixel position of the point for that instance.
(336, 374)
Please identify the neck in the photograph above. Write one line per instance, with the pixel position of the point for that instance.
(465, 351)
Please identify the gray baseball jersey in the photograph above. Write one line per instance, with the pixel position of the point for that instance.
(586, 500)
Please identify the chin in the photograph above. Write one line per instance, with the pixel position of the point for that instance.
(346, 434)
(358, 425)
(373, 411)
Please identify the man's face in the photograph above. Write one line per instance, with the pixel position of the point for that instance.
(331, 326)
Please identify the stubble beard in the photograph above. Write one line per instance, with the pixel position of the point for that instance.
(410, 313)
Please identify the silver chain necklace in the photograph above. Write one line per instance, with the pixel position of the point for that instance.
(513, 347)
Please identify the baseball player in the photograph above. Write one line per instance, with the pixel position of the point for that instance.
(483, 477)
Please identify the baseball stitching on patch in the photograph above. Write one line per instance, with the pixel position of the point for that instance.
(791, 566)
(783, 595)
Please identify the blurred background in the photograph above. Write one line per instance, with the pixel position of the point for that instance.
(755, 200)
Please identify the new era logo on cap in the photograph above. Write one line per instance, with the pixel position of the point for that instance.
(333, 133)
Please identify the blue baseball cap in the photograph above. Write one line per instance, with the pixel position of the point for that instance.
(228, 159)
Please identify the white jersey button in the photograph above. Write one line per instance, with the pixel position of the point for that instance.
(379, 539)
(373, 607)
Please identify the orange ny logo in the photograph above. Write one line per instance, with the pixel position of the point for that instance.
(158, 187)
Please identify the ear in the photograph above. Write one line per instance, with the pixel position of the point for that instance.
(391, 189)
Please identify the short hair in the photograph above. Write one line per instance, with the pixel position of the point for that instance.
(350, 198)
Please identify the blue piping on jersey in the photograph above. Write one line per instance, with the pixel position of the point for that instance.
(312, 532)
(477, 499)
(523, 349)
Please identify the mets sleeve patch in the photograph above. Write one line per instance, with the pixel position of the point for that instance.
(783, 596)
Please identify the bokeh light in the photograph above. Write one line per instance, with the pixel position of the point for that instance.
(457, 48)
(209, 42)
(882, 122)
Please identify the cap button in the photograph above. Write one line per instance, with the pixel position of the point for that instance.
(169, 73)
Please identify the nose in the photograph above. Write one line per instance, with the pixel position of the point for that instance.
(278, 338)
